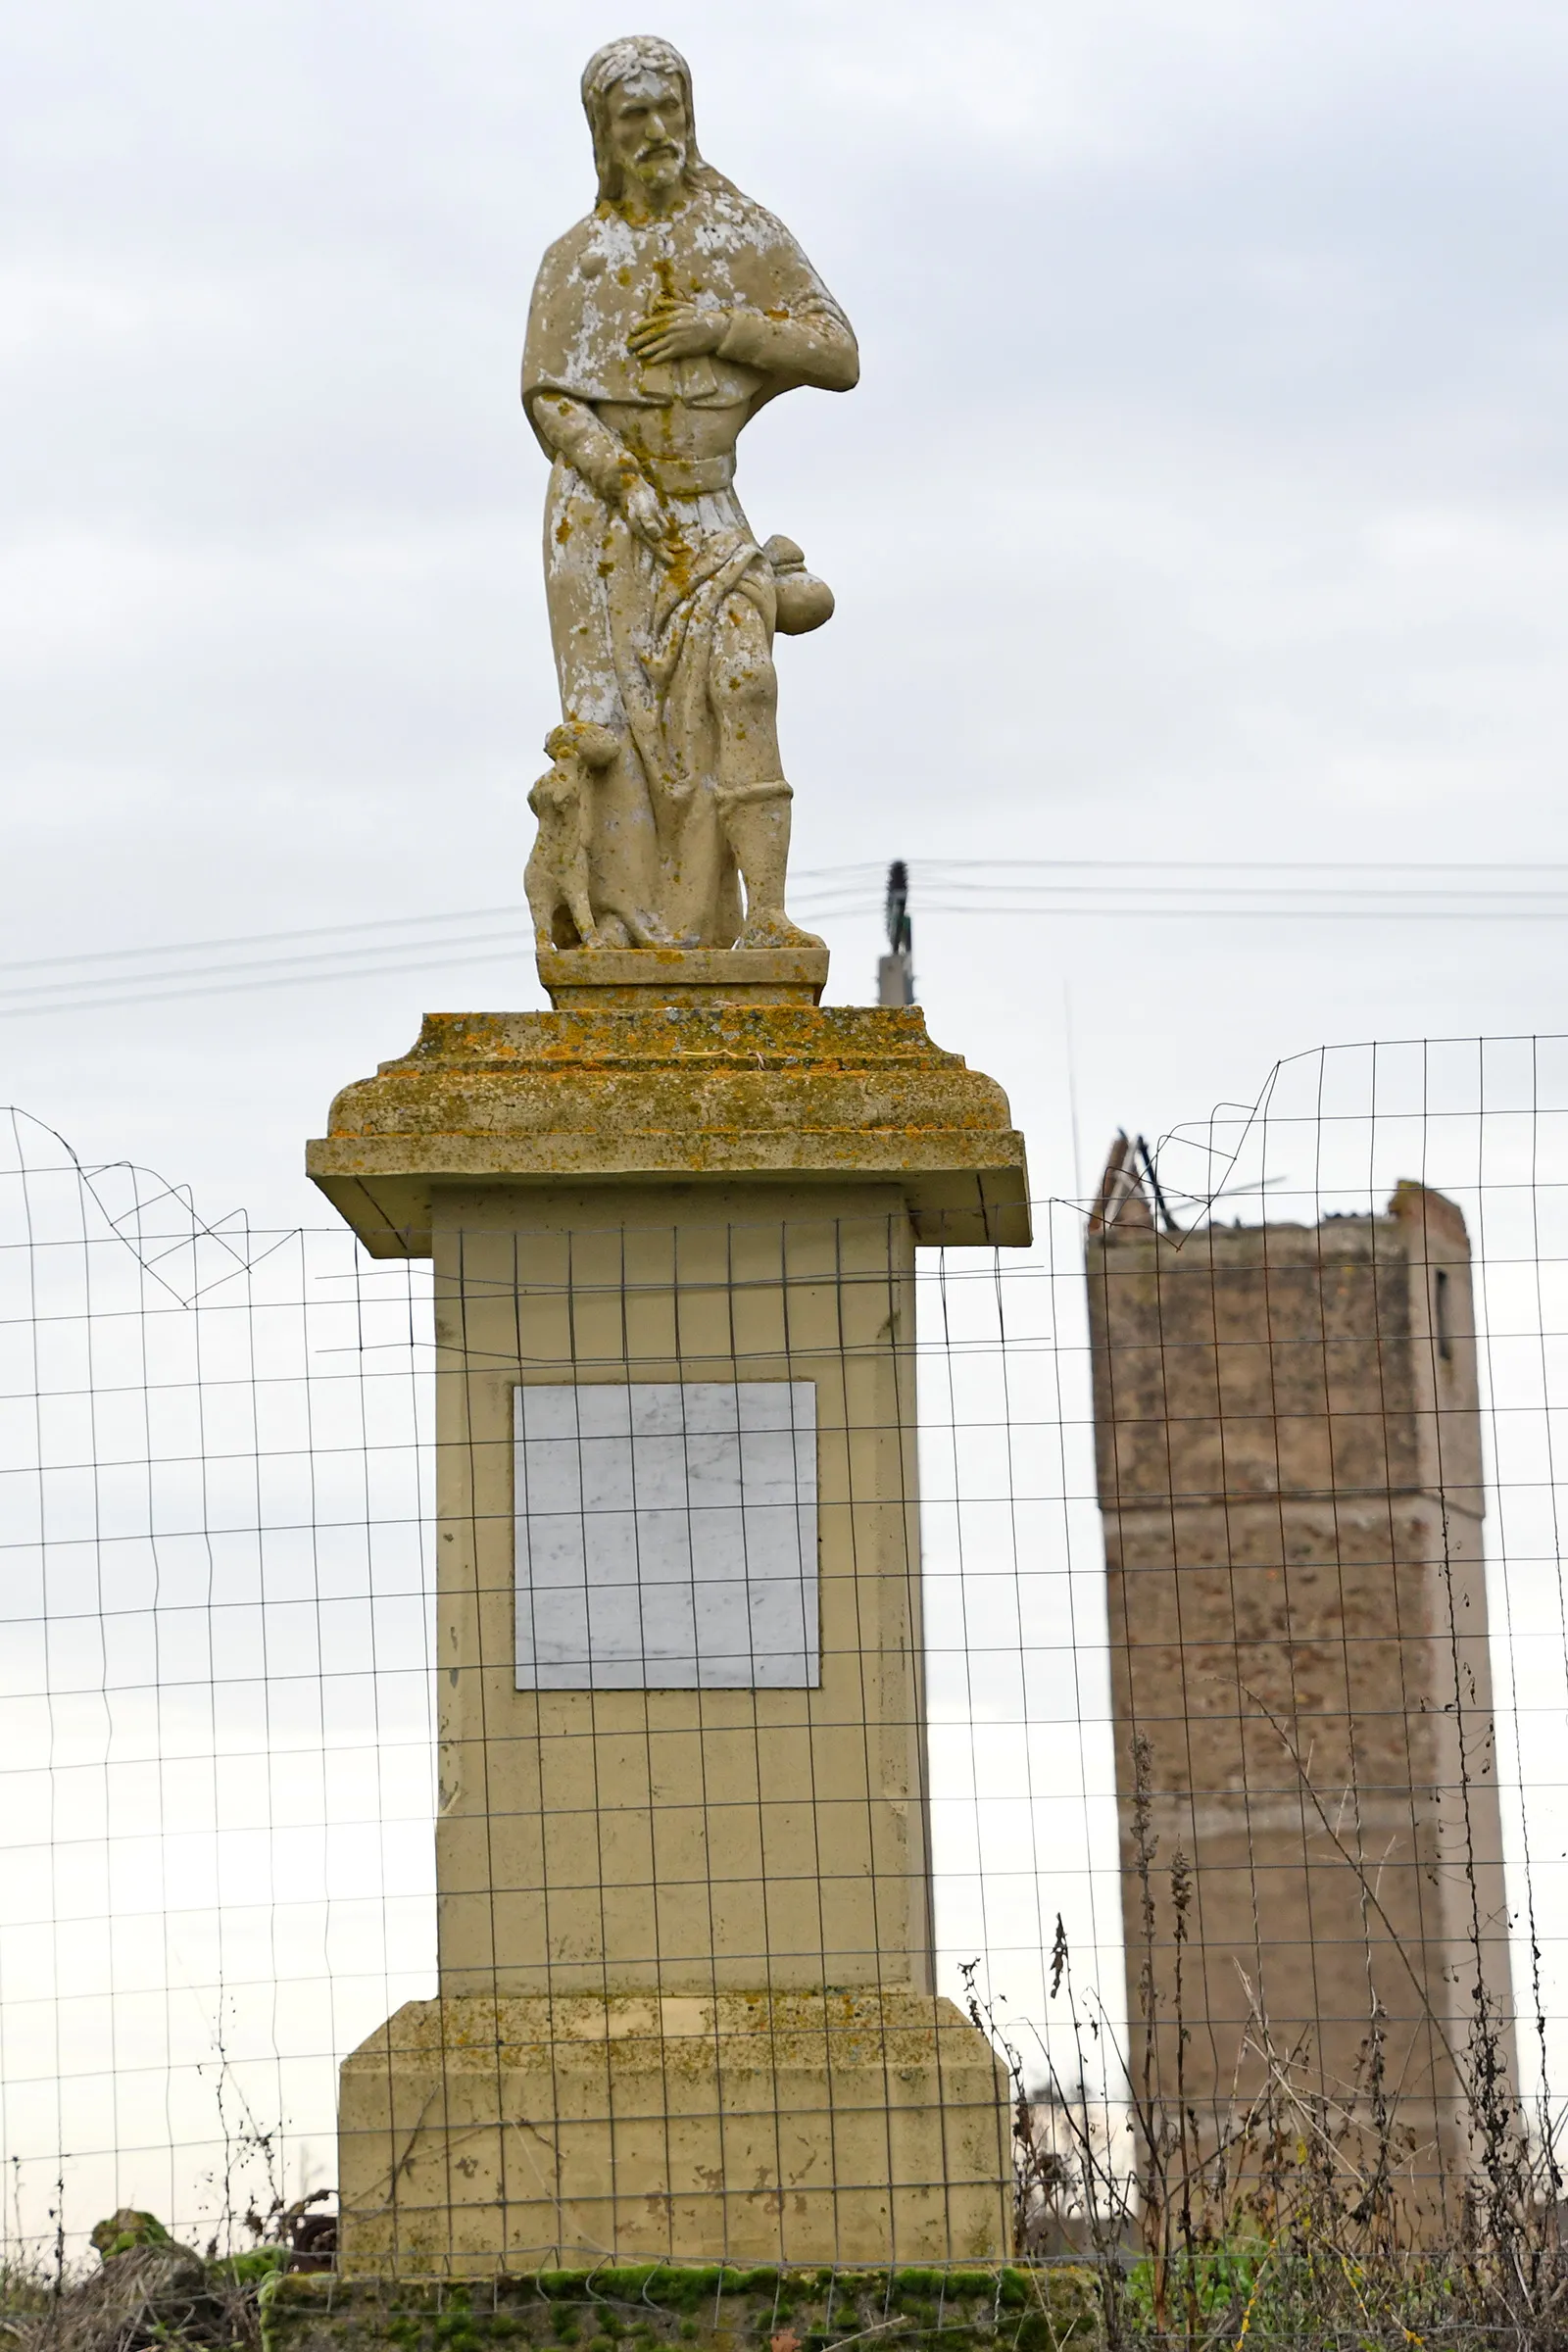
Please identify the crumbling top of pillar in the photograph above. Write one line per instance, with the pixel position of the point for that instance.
(728, 1093)
(1233, 1362)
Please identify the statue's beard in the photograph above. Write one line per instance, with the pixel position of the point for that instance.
(661, 163)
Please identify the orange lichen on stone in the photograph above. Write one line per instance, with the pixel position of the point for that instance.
(716, 1091)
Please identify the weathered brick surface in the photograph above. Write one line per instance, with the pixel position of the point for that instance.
(1288, 1455)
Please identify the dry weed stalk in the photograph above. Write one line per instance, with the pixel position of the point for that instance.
(1287, 2218)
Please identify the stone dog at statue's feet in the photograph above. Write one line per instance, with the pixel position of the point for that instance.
(660, 326)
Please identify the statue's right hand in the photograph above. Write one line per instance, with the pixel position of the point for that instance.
(642, 510)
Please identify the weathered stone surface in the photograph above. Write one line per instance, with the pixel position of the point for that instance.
(673, 1193)
(660, 325)
(721, 1192)
(1288, 1431)
(719, 1092)
(477, 2134)
(629, 979)
(682, 1840)
(646, 2307)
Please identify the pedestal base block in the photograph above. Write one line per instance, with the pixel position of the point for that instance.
(481, 2135)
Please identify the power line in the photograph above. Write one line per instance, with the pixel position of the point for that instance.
(1223, 890)
(321, 959)
(847, 877)
(263, 939)
(388, 946)
(285, 979)
(1236, 865)
(1305, 915)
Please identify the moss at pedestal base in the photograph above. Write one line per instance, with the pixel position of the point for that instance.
(643, 2308)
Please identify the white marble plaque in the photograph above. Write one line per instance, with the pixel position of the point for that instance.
(666, 1536)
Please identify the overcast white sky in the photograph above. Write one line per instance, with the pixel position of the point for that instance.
(1203, 497)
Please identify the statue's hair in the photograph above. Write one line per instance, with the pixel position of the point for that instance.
(618, 61)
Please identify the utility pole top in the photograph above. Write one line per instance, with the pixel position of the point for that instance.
(895, 972)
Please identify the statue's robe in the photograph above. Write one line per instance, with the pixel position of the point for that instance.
(634, 631)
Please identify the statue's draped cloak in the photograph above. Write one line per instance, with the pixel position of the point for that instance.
(633, 632)
(721, 252)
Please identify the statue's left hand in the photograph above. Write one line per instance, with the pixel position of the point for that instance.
(678, 330)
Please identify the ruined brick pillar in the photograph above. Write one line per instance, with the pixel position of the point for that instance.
(1288, 1436)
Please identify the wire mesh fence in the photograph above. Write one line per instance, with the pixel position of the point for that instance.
(216, 1690)
(756, 1746)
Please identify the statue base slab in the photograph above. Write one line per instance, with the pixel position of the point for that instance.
(480, 2137)
(634, 977)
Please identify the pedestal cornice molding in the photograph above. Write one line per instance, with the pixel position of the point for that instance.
(728, 1093)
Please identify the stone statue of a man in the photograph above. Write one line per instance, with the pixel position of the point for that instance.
(659, 326)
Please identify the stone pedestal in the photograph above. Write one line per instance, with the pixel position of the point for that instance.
(686, 2002)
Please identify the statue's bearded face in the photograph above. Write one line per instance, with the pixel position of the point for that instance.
(648, 132)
